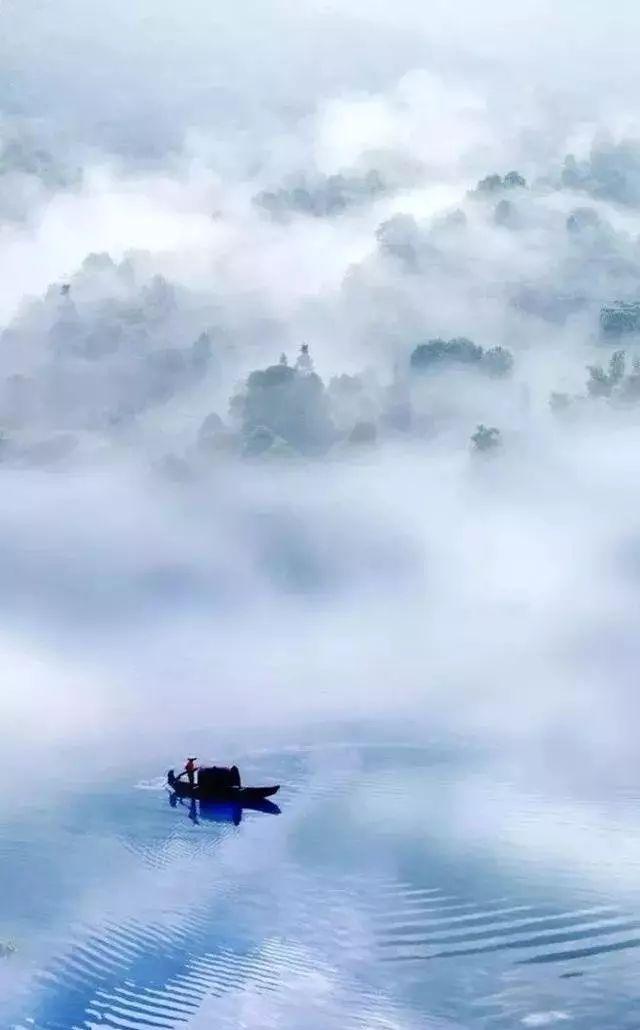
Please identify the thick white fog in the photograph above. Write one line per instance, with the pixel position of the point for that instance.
(319, 421)
(444, 210)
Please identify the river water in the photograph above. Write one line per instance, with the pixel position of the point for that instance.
(451, 717)
(410, 880)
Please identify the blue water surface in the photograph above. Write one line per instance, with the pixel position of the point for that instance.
(406, 883)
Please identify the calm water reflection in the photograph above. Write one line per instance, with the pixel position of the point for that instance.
(403, 885)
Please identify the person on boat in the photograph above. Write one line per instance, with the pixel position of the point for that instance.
(190, 770)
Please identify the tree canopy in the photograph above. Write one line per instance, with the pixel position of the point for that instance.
(460, 352)
(288, 402)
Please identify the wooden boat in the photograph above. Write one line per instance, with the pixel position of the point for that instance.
(215, 789)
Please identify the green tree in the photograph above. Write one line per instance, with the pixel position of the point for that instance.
(513, 180)
(437, 353)
(601, 383)
(498, 362)
(617, 366)
(621, 317)
(400, 237)
(490, 184)
(486, 438)
(291, 403)
(598, 384)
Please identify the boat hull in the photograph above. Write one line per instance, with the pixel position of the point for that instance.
(243, 796)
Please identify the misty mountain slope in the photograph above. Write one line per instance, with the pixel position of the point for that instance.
(517, 269)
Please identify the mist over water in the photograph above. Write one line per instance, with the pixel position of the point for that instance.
(319, 415)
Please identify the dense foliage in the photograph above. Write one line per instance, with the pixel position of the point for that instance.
(94, 360)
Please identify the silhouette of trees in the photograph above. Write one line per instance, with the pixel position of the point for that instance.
(486, 438)
(461, 352)
(288, 402)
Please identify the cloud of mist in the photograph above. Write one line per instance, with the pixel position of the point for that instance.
(414, 556)
(198, 535)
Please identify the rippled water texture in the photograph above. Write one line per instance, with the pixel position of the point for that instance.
(405, 884)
